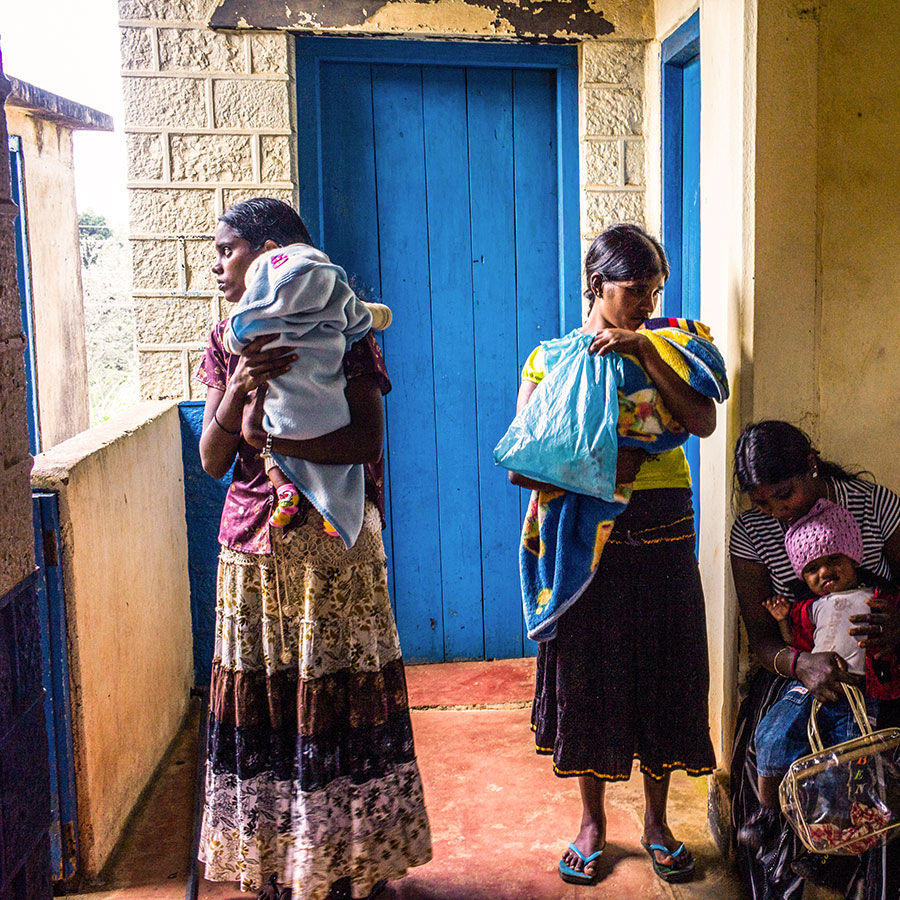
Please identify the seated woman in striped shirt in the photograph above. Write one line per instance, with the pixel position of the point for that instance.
(783, 476)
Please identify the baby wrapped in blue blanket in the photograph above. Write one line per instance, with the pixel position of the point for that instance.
(298, 293)
(585, 409)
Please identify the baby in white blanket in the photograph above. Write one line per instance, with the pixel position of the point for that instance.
(298, 293)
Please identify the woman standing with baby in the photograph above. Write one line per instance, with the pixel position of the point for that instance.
(312, 787)
(624, 677)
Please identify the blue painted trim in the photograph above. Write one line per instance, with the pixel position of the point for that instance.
(312, 51)
(389, 51)
(684, 44)
(57, 700)
(23, 275)
(677, 51)
(672, 141)
(569, 199)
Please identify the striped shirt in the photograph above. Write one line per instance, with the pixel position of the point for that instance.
(760, 538)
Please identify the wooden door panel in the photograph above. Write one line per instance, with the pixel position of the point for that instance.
(403, 249)
(450, 255)
(491, 192)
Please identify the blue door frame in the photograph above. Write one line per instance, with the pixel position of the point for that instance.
(449, 113)
(681, 192)
(23, 274)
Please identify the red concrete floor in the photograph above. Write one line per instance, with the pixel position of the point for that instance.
(499, 817)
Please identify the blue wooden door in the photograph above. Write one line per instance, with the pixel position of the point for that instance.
(445, 178)
(681, 192)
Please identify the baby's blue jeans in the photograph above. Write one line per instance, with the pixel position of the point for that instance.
(781, 735)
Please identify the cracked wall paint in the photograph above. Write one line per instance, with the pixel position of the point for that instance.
(559, 20)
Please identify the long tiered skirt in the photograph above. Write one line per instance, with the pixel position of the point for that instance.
(311, 770)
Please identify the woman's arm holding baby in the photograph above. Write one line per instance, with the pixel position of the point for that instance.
(358, 442)
(688, 407)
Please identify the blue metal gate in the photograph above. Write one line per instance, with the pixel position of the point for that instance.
(55, 678)
(445, 176)
(24, 781)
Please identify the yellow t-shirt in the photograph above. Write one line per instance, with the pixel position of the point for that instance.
(660, 470)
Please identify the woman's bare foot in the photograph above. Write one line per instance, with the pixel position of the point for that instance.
(591, 838)
(592, 835)
(655, 833)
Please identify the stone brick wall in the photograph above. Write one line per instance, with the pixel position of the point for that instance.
(16, 538)
(612, 129)
(209, 121)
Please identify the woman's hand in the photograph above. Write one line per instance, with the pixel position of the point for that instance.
(879, 630)
(628, 462)
(257, 366)
(822, 674)
(619, 339)
(688, 407)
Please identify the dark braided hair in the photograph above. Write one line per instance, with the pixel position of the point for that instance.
(624, 253)
(772, 451)
(262, 219)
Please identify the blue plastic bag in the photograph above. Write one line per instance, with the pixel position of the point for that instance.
(566, 435)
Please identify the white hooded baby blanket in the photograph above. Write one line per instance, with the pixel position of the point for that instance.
(297, 293)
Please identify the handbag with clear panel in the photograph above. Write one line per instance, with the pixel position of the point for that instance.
(845, 799)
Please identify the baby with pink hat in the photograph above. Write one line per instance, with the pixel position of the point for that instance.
(825, 549)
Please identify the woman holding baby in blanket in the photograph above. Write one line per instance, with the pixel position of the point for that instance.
(623, 673)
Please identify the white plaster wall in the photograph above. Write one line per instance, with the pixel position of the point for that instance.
(726, 152)
(728, 80)
(58, 305)
(121, 491)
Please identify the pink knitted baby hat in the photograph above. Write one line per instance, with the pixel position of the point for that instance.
(826, 528)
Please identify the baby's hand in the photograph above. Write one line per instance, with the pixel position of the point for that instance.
(779, 607)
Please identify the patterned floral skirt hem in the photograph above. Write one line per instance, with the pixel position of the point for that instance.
(311, 770)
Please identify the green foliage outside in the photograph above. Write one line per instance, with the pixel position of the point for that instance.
(93, 232)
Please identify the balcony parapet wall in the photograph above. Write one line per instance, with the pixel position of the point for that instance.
(121, 503)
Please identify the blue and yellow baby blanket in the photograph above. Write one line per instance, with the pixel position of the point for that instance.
(583, 410)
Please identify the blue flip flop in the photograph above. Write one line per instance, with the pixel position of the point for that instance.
(669, 874)
(575, 876)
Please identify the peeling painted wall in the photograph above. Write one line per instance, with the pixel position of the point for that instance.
(546, 20)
